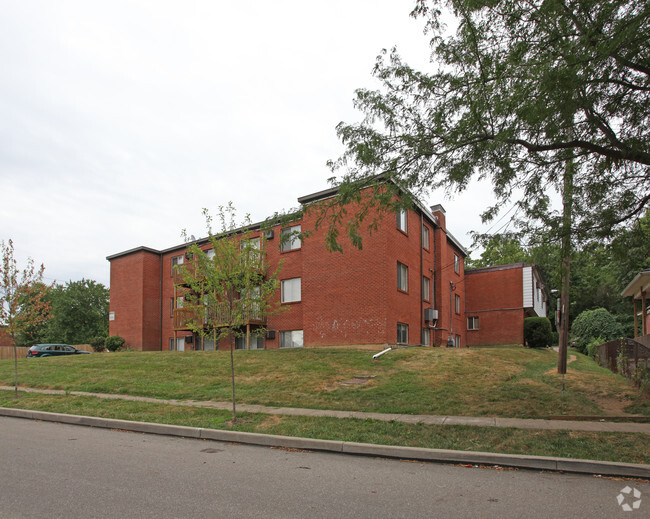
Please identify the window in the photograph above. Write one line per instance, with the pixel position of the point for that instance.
(291, 290)
(457, 303)
(291, 339)
(456, 264)
(111, 316)
(425, 336)
(251, 249)
(402, 277)
(177, 260)
(290, 238)
(178, 345)
(208, 344)
(425, 237)
(401, 220)
(402, 333)
(472, 323)
(171, 307)
(457, 341)
(210, 254)
(256, 342)
(426, 288)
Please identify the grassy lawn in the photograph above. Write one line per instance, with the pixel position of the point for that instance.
(628, 448)
(505, 382)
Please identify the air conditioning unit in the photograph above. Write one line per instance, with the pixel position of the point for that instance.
(268, 235)
(430, 314)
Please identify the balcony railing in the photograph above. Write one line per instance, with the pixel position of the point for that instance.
(218, 315)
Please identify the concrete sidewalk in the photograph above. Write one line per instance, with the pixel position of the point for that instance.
(477, 421)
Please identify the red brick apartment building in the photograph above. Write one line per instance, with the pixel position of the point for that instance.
(498, 300)
(406, 286)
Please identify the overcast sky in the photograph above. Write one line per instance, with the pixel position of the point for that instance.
(121, 120)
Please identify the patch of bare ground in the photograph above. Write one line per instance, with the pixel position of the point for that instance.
(611, 406)
(269, 422)
(355, 381)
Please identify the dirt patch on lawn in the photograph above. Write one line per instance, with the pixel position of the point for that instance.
(611, 406)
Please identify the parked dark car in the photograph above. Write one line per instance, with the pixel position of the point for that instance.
(51, 350)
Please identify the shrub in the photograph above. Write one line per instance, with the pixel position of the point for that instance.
(537, 332)
(592, 347)
(594, 323)
(115, 343)
(98, 344)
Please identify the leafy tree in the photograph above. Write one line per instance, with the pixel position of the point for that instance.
(80, 311)
(499, 249)
(536, 97)
(23, 303)
(227, 286)
(592, 324)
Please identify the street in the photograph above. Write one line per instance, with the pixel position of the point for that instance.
(57, 470)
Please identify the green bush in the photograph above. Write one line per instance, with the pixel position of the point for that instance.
(115, 343)
(592, 347)
(98, 344)
(537, 332)
(591, 324)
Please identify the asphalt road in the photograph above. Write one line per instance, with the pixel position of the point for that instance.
(55, 470)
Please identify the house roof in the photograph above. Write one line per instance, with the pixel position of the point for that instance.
(333, 191)
(319, 195)
(640, 283)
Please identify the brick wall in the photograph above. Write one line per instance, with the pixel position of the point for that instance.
(347, 298)
(495, 296)
(135, 299)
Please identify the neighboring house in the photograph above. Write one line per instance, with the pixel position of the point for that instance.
(407, 285)
(639, 291)
(498, 300)
(5, 338)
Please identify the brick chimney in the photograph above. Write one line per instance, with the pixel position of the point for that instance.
(439, 212)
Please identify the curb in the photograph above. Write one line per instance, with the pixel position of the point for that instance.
(603, 468)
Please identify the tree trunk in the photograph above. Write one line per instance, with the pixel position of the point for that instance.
(232, 376)
(15, 369)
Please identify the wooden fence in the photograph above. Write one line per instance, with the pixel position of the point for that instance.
(636, 353)
(7, 352)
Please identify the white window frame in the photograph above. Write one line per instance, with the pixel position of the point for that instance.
(290, 239)
(426, 337)
(401, 220)
(291, 339)
(457, 303)
(291, 290)
(426, 288)
(472, 322)
(456, 264)
(177, 260)
(402, 277)
(402, 333)
(425, 237)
